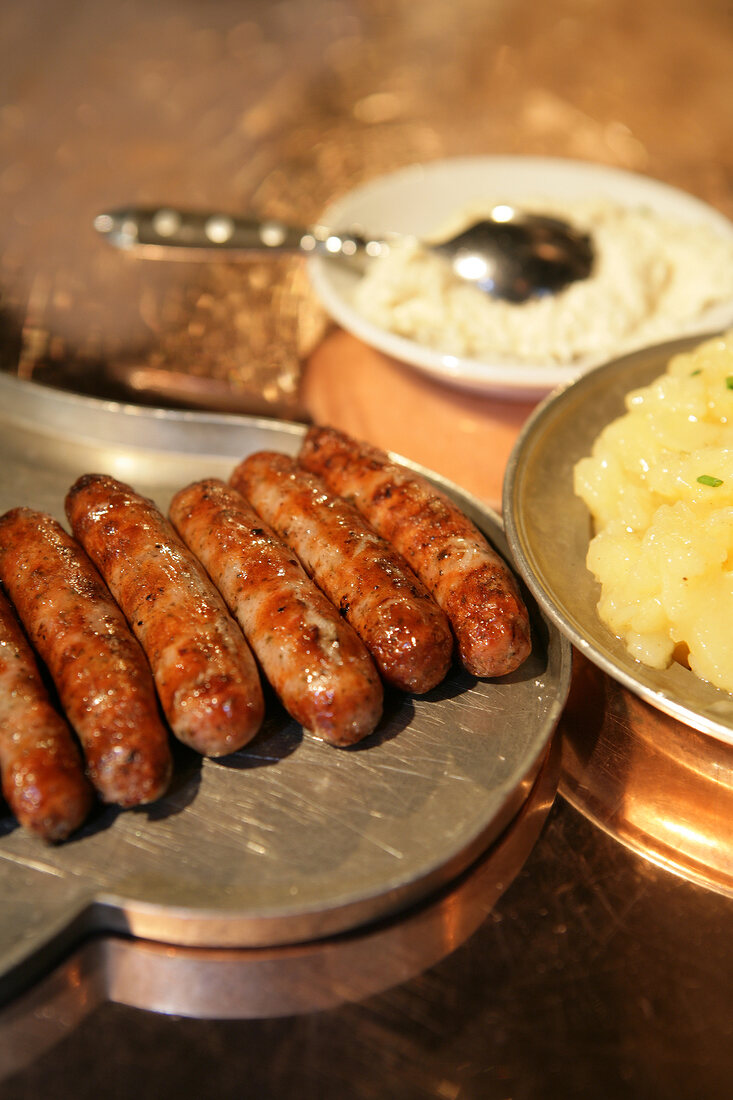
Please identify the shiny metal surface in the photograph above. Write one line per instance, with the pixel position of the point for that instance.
(548, 529)
(649, 781)
(518, 256)
(289, 840)
(511, 254)
(166, 233)
(233, 983)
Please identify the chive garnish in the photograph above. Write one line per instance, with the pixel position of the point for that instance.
(696, 372)
(729, 382)
(707, 479)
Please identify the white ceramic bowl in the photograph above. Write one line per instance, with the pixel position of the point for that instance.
(417, 199)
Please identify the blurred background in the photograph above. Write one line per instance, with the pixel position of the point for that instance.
(277, 108)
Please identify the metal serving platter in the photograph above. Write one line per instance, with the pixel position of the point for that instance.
(549, 527)
(264, 982)
(289, 840)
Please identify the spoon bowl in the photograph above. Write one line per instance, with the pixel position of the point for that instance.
(516, 256)
(509, 255)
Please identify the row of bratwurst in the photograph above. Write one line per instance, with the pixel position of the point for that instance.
(401, 575)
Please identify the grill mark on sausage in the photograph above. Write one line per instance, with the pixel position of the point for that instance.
(468, 579)
(100, 672)
(314, 661)
(391, 610)
(204, 671)
(43, 777)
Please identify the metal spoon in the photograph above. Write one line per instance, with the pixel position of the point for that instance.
(510, 255)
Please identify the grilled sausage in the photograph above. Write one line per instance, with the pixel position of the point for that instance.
(204, 671)
(99, 670)
(311, 656)
(42, 773)
(400, 624)
(447, 551)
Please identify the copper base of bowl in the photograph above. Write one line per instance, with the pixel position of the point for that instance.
(656, 785)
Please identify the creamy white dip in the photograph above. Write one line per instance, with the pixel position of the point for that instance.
(652, 278)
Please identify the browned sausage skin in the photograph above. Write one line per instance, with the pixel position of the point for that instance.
(42, 773)
(395, 616)
(99, 670)
(447, 551)
(311, 656)
(204, 671)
